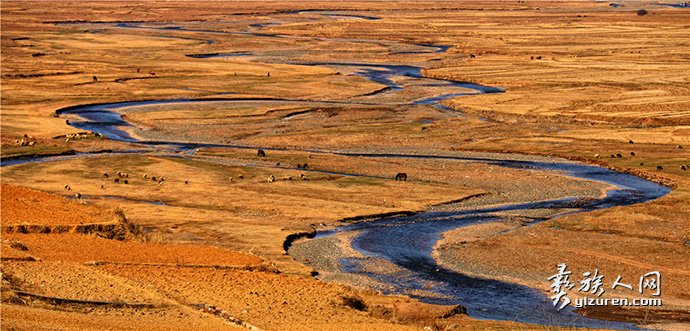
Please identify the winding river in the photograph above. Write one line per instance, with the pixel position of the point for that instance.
(407, 241)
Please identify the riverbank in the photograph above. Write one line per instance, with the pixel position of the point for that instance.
(604, 86)
(396, 252)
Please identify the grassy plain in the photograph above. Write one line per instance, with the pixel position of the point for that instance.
(582, 80)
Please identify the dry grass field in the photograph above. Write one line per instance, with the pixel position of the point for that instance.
(180, 227)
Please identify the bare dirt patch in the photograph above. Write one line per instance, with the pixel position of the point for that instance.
(24, 206)
(83, 248)
(29, 318)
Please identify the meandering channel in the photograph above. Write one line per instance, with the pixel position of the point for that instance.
(408, 241)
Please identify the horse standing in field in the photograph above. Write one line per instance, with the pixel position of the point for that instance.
(401, 176)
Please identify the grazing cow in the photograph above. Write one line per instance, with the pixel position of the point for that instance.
(126, 181)
(95, 79)
(632, 153)
(683, 168)
(287, 178)
(299, 166)
(278, 164)
(271, 179)
(619, 155)
(659, 167)
(596, 156)
(105, 174)
(240, 177)
(153, 178)
(630, 142)
(153, 74)
(613, 156)
(268, 74)
(401, 176)
(67, 187)
(187, 182)
(305, 166)
(680, 146)
(472, 56)
(261, 153)
(77, 195)
(117, 180)
(146, 176)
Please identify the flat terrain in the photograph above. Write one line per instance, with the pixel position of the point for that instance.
(197, 237)
(21, 206)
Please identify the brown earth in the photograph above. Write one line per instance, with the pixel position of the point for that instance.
(82, 248)
(248, 214)
(71, 276)
(17, 317)
(606, 76)
(23, 206)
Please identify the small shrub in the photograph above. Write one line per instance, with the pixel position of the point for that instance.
(355, 303)
(18, 245)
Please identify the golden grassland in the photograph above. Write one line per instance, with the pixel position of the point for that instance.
(605, 77)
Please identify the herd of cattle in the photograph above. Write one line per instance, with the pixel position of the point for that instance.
(121, 177)
(401, 176)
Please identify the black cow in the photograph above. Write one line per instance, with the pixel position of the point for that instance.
(401, 176)
(261, 153)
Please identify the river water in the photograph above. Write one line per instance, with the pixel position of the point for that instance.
(406, 241)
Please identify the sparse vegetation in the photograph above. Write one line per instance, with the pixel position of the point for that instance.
(354, 302)
(169, 232)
